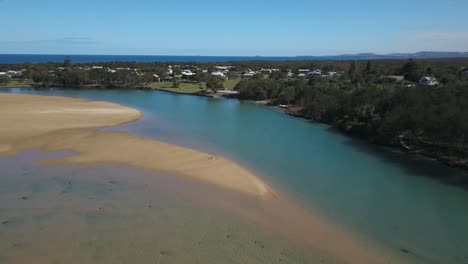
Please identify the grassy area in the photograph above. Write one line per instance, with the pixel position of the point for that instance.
(19, 83)
(187, 88)
(231, 83)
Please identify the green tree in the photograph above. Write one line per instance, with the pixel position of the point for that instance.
(4, 80)
(215, 83)
(175, 83)
(411, 70)
(368, 67)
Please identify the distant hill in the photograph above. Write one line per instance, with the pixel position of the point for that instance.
(373, 56)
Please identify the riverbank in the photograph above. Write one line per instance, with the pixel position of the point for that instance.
(409, 145)
(59, 123)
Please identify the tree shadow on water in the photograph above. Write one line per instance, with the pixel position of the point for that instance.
(414, 164)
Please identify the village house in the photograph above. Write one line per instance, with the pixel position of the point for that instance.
(188, 73)
(268, 71)
(333, 74)
(218, 74)
(156, 78)
(224, 69)
(170, 71)
(315, 72)
(301, 75)
(248, 74)
(14, 73)
(428, 80)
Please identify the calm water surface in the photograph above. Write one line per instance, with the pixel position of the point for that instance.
(395, 201)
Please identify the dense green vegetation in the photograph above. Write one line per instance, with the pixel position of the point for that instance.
(430, 119)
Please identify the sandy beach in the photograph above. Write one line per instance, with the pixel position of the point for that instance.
(58, 123)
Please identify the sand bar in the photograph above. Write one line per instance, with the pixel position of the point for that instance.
(59, 123)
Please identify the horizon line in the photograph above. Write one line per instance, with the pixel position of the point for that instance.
(274, 56)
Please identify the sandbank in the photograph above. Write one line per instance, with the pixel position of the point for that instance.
(54, 123)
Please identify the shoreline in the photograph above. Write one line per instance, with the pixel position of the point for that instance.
(432, 154)
(295, 112)
(59, 123)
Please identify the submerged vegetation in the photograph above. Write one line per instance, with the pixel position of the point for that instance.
(419, 105)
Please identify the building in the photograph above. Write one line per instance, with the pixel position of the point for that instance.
(223, 68)
(428, 80)
(248, 74)
(316, 72)
(218, 74)
(14, 73)
(268, 71)
(188, 73)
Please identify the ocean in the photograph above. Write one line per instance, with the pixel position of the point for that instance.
(38, 58)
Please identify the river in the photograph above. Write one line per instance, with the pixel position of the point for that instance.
(407, 205)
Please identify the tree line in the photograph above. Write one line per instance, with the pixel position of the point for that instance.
(432, 120)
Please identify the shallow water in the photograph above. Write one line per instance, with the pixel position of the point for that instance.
(408, 206)
(118, 214)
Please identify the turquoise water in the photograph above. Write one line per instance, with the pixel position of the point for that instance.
(396, 201)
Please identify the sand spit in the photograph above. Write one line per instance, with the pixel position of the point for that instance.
(58, 123)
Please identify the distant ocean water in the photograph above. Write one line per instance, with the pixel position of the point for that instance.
(37, 58)
(43, 58)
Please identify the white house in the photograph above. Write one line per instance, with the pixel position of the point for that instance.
(333, 74)
(13, 73)
(223, 68)
(429, 80)
(156, 78)
(3, 73)
(316, 72)
(188, 73)
(248, 74)
(217, 73)
(268, 71)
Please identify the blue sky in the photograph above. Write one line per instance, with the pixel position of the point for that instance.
(241, 27)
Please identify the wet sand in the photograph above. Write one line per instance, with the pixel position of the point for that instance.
(57, 123)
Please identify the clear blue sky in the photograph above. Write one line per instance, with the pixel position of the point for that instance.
(240, 27)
